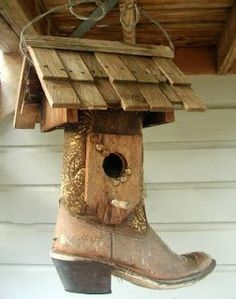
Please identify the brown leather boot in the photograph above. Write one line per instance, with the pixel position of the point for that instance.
(108, 234)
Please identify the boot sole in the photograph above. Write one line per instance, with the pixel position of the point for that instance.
(145, 282)
(90, 276)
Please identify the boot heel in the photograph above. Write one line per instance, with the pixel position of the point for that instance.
(86, 277)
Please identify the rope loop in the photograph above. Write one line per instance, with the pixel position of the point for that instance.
(71, 4)
(125, 9)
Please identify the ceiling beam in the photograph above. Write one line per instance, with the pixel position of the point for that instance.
(85, 26)
(9, 41)
(19, 13)
(16, 14)
(227, 44)
(10, 67)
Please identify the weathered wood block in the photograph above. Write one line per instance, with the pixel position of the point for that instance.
(114, 176)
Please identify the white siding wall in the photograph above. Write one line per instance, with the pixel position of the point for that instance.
(190, 175)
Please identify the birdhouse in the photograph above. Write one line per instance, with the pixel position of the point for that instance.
(113, 88)
(101, 93)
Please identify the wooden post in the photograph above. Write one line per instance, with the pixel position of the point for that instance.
(128, 17)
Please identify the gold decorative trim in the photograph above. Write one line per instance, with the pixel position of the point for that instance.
(73, 173)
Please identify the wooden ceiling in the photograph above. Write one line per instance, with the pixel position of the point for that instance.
(203, 31)
(191, 23)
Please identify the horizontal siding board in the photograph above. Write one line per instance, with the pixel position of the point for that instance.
(13, 137)
(44, 165)
(204, 127)
(30, 244)
(188, 205)
(26, 282)
(34, 166)
(189, 145)
(218, 244)
(195, 126)
(40, 205)
(190, 165)
(217, 91)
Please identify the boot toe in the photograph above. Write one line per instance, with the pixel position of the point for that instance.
(201, 263)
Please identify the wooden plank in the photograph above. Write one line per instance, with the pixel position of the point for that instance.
(60, 94)
(173, 74)
(142, 74)
(155, 97)
(9, 41)
(191, 101)
(99, 188)
(58, 91)
(90, 97)
(182, 35)
(47, 63)
(19, 13)
(168, 16)
(54, 118)
(75, 66)
(88, 45)
(91, 21)
(158, 118)
(126, 123)
(227, 44)
(22, 121)
(93, 65)
(130, 96)
(171, 5)
(108, 93)
(86, 90)
(172, 96)
(200, 60)
(148, 64)
(114, 67)
(10, 68)
(29, 116)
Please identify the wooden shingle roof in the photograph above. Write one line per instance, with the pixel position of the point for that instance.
(100, 75)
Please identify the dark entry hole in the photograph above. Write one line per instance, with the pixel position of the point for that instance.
(114, 165)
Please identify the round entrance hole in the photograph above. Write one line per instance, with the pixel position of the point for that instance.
(114, 165)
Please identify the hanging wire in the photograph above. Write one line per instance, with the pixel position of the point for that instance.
(138, 12)
(70, 7)
(158, 24)
(71, 4)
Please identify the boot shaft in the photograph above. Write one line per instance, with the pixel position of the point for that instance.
(102, 173)
(102, 226)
